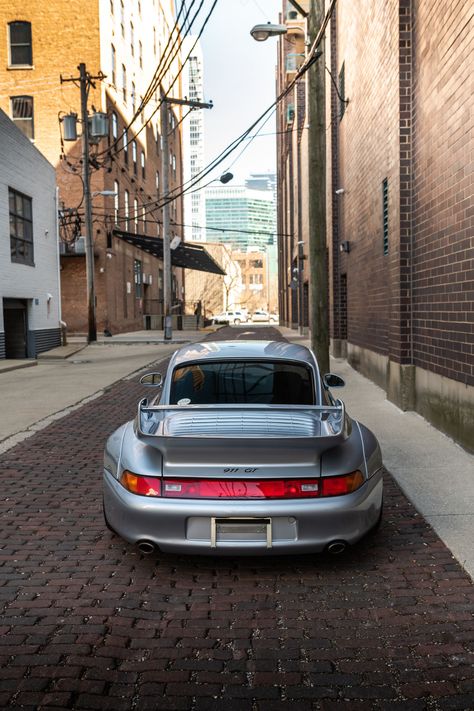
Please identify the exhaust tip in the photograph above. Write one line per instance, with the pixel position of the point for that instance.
(146, 547)
(337, 547)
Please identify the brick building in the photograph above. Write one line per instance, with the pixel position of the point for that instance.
(400, 202)
(126, 42)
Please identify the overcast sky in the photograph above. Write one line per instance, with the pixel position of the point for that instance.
(239, 76)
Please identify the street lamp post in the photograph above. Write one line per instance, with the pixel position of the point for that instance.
(315, 98)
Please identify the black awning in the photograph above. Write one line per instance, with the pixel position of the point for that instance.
(186, 254)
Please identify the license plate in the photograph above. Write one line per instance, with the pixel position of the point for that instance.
(240, 530)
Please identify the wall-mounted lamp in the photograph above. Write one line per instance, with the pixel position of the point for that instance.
(339, 191)
(345, 246)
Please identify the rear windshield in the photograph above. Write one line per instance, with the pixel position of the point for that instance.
(272, 383)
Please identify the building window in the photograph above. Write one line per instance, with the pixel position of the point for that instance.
(133, 95)
(114, 64)
(111, 7)
(342, 91)
(114, 126)
(132, 39)
(137, 272)
(126, 206)
(21, 227)
(142, 163)
(385, 214)
(125, 145)
(22, 114)
(157, 182)
(144, 218)
(124, 83)
(21, 49)
(135, 214)
(134, 156)
(140, 54)
(122, 18)
(173, 163)
(116, 201)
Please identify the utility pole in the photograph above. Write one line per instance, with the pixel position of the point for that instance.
(91, 315)
(85, 82)
(319, 314)
(165, 166)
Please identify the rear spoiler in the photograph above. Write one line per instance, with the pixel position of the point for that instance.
(332, 420)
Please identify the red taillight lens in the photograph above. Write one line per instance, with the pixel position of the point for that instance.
(238, 489)
(340, 485)
(142, 485)
(242, 489)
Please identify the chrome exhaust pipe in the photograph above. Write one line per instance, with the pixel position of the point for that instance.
(337, 547)
(146, 547)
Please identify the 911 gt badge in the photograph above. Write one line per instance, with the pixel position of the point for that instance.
(236, 470)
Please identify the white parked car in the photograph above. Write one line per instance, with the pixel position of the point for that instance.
(235, 317)
(261, 315)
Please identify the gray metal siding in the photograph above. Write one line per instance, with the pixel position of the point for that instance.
(2, 345)
(46, 339)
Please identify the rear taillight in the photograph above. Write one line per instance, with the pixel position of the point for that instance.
(239, 489)
(143, 485)
(242, 489)
(340, 485)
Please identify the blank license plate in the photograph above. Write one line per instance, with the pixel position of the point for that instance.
(241, 530)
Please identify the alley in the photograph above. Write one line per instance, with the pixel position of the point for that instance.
(88, 622)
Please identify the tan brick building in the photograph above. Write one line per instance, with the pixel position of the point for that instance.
(399, 132)
(124, 41)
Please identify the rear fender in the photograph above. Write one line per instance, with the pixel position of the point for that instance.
(346, 457)
(138, 456)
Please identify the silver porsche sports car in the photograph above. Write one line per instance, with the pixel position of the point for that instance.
(244, 451)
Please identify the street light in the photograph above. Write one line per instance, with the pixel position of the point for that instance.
(260, 33)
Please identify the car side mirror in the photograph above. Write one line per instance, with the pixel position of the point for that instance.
(153, 380)
(333, 381)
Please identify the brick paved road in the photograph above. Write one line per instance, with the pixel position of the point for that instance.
(89, 623)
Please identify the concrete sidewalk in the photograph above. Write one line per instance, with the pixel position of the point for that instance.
(435, 473)
(71, 376)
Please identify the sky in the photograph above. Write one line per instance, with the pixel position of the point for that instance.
(239, 77)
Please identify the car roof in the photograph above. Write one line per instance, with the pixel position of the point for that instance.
(240, 349)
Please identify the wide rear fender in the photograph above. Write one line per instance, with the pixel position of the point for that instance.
(359, 451)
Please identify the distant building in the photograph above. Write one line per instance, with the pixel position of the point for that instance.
(125, 41)
(30, 309)
(215, 293)
(241, 216)
(193, 142)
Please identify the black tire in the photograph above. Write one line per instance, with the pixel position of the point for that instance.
(236, 321)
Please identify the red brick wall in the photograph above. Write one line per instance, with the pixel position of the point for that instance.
(443, 184)
(409, 119)
(367, 44)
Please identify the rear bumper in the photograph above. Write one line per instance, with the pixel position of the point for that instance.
(298, 526)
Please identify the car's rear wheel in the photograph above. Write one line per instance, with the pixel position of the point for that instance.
(237, 321)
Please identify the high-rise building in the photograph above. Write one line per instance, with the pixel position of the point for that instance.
(193, 142)
(123, 46)
(241, 215)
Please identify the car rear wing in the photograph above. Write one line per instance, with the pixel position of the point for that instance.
(317, 427)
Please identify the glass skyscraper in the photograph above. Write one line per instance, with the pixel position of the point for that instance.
(241, 215)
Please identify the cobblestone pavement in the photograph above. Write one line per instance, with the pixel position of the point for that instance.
(89, 623)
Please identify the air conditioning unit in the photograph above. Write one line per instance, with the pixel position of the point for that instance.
(80, 245)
